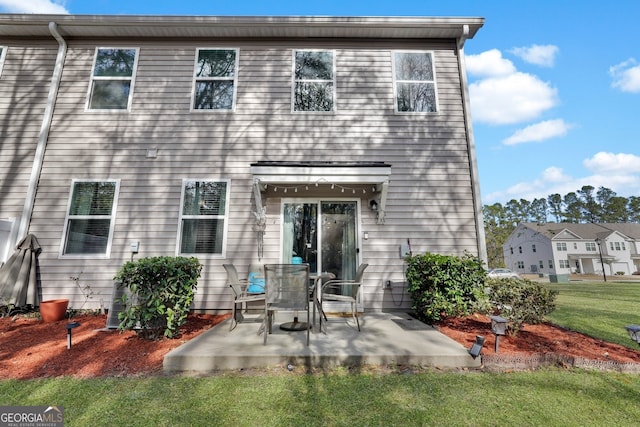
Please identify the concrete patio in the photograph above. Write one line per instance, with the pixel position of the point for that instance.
(385, 339)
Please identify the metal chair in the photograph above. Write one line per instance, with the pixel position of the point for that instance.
(286, 288)
(240, 294)
(339, 290)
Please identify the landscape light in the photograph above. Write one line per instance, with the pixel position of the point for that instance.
(498, 327)
(476, 347)
(634, 332)
(70, 326)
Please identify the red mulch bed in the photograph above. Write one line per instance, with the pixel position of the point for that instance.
(536, 340)
(30, 348)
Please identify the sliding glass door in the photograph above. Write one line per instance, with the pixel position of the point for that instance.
(323, 234)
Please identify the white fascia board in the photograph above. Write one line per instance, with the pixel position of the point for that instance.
(310, 174)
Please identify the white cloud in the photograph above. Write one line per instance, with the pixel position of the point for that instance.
(551, 180)
(513, 98)
(626, 76)
(539, 132)
(489, 64)
(504, 95)
(543, 56)
(604, 162)
(554, 180)
(34, 6)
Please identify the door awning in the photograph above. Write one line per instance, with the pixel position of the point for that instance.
(328, 173)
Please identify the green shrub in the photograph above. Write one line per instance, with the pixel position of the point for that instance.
(162, 290)
(520, 301)
(444, 285)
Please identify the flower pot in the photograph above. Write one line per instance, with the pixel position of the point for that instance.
(53, 310)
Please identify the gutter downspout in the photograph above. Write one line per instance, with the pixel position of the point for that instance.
(43, 137)
(471, 149)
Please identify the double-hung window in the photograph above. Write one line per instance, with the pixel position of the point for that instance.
(561, 246)
(3, 54)
(415, 82)
(314, 80)
(90, 218)
(112, 79)
(203, 217)
(215, 79)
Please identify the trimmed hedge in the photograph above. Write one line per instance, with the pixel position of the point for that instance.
(444, 285)
(162, 290)
(520, 301)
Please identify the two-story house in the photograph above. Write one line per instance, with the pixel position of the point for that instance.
(565, 248)
(244, 140)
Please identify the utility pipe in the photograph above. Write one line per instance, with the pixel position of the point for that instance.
(36, 170)
(471, 149)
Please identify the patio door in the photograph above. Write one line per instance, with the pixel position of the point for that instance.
(323, 234)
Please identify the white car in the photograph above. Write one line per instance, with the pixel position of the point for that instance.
(502, 273)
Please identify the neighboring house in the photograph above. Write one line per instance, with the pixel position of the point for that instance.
(240, 140)
(566, 248)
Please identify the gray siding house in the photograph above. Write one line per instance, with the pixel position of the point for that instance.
(244, 140)
(565, 248)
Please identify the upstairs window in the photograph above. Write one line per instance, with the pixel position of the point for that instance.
(561, 246)
(90, 218)
(3, 53)
(314, 80)
(533, 248)
(215, 79)
(111, 86)
(591, 247)
(203, 217)
(415, 83)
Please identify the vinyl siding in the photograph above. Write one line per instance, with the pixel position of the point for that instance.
(429, 199)
(24, 87)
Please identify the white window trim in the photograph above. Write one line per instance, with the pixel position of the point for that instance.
(225, 217)
(396, 81)
(3, 55)
(112, 224)
(87, 107)
(293, 82)
(196, 79)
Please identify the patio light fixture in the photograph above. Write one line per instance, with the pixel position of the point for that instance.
(373, 205)
(476, 347)
(498, 327)
(634, 332)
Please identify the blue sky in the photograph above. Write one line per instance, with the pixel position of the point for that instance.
(554, 85)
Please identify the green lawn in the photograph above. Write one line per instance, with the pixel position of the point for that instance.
(598, 309)
(541, 398)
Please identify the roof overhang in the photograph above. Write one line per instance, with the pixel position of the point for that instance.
(341, 173)
(137, 26)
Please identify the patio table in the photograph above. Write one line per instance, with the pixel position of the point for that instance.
(296, 325)
(317, 284)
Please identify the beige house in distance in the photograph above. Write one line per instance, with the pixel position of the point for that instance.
(244, 140)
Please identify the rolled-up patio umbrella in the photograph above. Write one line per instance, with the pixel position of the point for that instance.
(18, 276)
